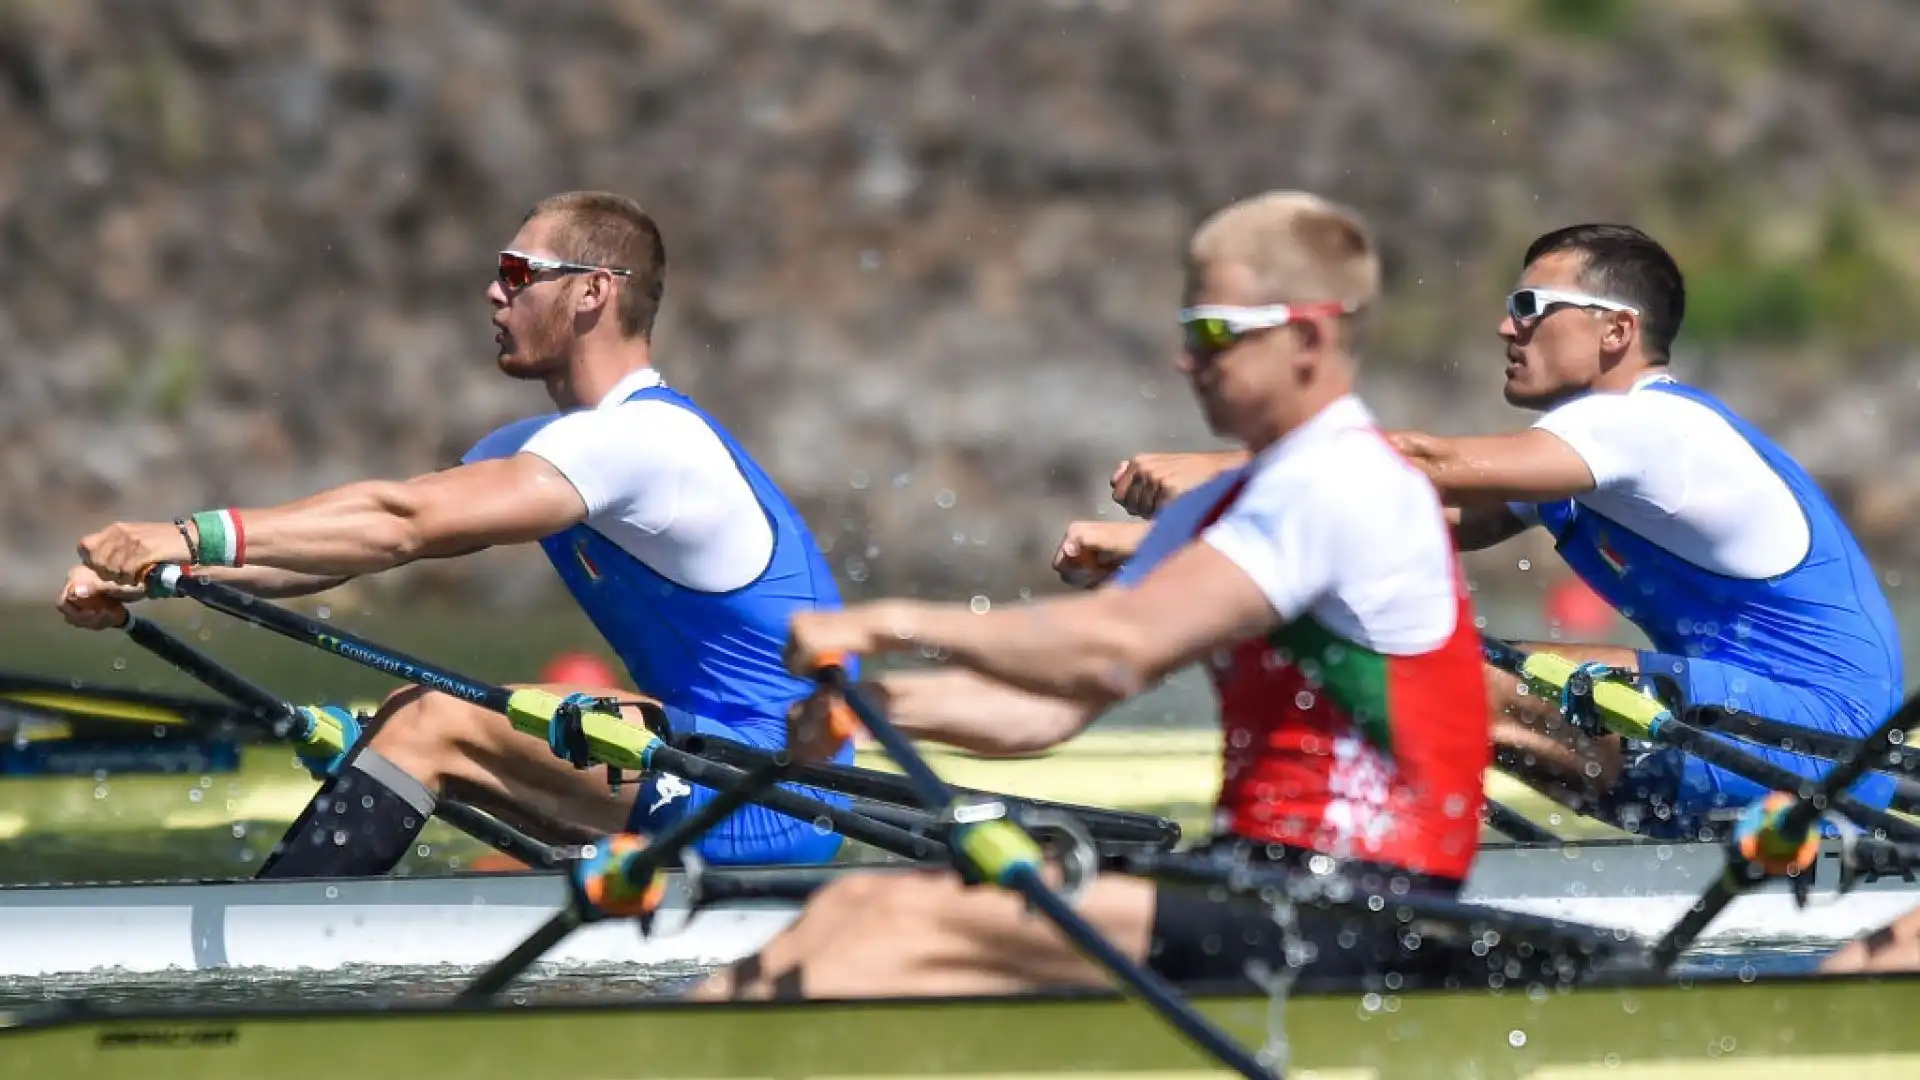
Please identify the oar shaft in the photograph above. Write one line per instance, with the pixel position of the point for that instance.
(1689, 739)
(662, 848)
(889, 837)
(1103, 824)
(260, 707)
(292, 624)
(1026, 881)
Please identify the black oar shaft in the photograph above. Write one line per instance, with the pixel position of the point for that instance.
(1813, 800)
(292, 624)
(1101, 823)
(264, 709)
(889, 837)
(1027, 882)
(660, 850)
(264, 706)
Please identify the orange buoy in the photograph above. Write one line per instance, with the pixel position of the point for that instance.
(579, 669)
(1578, 611)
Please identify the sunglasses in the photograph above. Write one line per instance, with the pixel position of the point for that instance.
(519, 270)
(1212, 328)
(1528, 304)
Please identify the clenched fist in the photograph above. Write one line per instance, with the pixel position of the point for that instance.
(1145, 483)
(1092, 550)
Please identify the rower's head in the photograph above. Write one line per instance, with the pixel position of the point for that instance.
(576, 293)
(1595, 307)
(1279, 288)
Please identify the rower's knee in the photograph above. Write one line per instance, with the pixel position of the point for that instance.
(430, 735)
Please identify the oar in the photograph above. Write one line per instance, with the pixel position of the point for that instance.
(134, 713)
(607, 738)
(987, 843)
(622, 881)
(317, 732)
(1777, 834)
(1102, 824)
(1628, 712)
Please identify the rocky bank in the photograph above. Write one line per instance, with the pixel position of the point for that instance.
(922, 254)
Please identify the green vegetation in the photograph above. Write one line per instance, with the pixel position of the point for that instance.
(1837, 289)
(1593, 19)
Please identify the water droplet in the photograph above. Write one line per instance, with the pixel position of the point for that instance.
(339, 838)
(859, 480)
(206, 781)
(194, 795)
(119, 663)
(901, 480)
(100, 791)
(1516, 1038)
(1526, 564)
(945, 499)
(324, 611)
(980, 605)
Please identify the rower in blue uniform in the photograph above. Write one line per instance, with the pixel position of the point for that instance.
(1694, 525)
(682, 552)
(1683, 516)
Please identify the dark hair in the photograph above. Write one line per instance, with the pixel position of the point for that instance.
(603, 229)
(1622, 263)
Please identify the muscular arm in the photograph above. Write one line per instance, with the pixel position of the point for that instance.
(1090, 650)
(975, 713)
(1526, 466)
(367, 527)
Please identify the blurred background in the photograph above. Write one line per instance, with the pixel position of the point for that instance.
(923, 257)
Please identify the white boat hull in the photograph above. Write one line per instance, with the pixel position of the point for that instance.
(472, 920)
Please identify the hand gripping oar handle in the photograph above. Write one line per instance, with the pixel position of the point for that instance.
(1627, 711)
(321, 734)
(988, 844)
(629, 870)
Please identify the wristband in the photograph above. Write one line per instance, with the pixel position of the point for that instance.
(223, 542)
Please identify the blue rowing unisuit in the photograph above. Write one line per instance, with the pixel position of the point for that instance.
(713, 660)
(1816, 646)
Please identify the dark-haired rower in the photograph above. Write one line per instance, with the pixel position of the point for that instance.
(1686, 518)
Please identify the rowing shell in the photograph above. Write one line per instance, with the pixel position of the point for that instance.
(468, 920)
(1796, 1027)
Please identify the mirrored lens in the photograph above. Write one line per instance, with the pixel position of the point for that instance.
(1209, 335)
(1524, 304)
(515, 272)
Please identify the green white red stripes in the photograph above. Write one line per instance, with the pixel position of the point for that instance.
(1353, 675)
(223, 541)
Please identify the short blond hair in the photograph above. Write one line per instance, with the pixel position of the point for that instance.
(1300, 248)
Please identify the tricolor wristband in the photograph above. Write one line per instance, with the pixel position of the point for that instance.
(223, 542)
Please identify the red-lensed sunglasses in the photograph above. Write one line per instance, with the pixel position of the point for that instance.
(519, 270)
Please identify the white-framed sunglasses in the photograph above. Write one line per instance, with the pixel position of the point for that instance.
(518, 269)
(1211, 328)
(1528, 304)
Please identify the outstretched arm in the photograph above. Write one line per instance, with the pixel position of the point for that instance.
(981, 715)
(361, 528)
(1534, 465)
